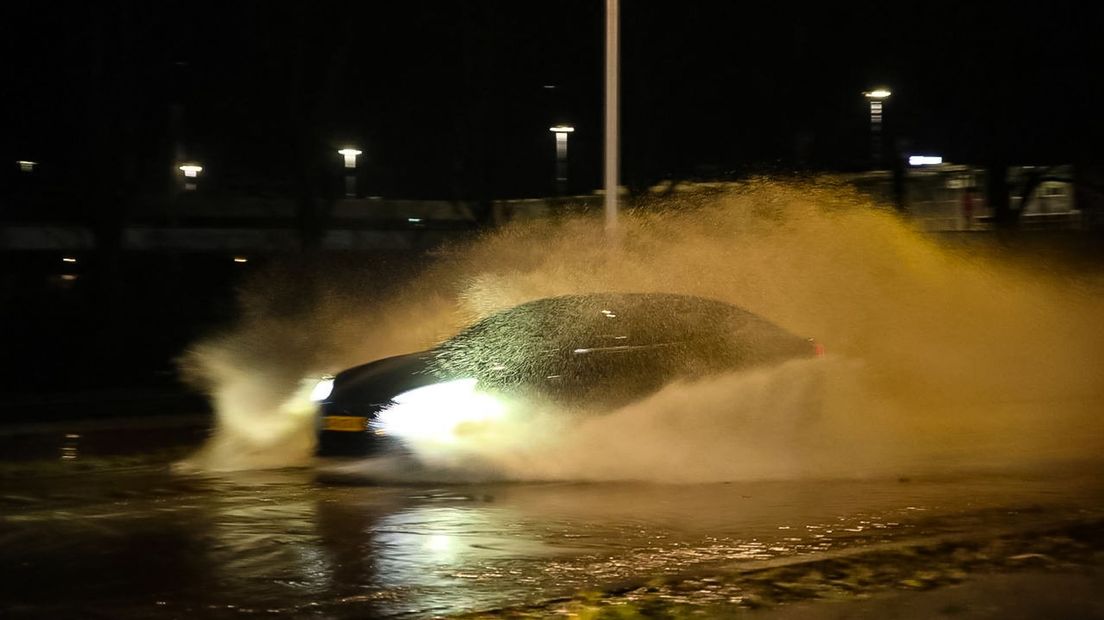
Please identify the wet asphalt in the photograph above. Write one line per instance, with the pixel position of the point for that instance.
(89, 529)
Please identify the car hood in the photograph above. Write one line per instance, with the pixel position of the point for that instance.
(381, 380)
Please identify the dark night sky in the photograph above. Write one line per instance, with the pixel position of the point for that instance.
(448, 98)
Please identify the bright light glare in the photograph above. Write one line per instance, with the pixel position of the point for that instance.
(26, 166)
(925, 160)
(241, 259)
(191, 170)
(562, 129)
(350, 156)
(322, 389)
(438, 542)
(878, 93)
(439, 412)
(68, 259)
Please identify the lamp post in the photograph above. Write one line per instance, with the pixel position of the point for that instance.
(561, 132)
(350, 155)
(876, 97)
(191, 174)
(612, 171)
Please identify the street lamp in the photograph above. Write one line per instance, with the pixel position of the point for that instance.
(350, 156)
(191, 170)
(876, 97)
(350, 170)
(191, 173)
(925, 160)
(561, 132)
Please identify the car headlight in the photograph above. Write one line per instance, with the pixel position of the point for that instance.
(322, 389)
(437, 412)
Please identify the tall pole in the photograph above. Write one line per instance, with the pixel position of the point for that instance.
(561, 132)
(876, 132)
(877, 99)
(561, 161)
(612, 170)
(350, 155)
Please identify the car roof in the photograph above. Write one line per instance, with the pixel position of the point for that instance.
(537, 337)
(599, 318)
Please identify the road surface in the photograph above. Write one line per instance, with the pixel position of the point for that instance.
(118, 534)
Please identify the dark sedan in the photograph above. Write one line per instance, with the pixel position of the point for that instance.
(581, 353)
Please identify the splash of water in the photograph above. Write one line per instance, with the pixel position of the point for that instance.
(941, 358)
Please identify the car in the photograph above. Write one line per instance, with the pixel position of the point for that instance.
(583, 354)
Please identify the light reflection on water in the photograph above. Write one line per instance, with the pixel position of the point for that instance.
(279, 541)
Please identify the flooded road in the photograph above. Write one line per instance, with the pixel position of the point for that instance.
(143, 542)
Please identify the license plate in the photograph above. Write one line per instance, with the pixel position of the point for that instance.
(345, 423)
